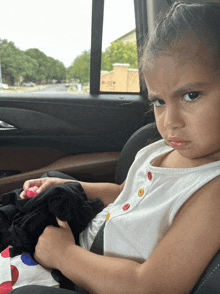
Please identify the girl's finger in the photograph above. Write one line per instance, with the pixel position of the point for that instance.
(26, 185)
(62, 224)
(43, 187)
(31, 183)
(23, 195)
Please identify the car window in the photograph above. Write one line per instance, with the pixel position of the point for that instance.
(44, 44)
(119, 70)
(46, 47)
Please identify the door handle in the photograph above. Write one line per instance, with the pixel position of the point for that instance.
(6, 127)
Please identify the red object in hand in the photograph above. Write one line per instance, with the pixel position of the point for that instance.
(31, 192)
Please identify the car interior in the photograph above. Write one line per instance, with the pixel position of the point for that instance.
(92, 137)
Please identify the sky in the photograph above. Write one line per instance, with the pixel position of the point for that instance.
(62, 28)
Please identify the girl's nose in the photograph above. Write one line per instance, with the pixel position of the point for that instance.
(173, 118)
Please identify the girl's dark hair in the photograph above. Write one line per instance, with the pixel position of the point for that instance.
(195, 22)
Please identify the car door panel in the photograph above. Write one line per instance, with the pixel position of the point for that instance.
(52, 131)
(103, 119)
(26, 121)
(23, 159)
(87, 167)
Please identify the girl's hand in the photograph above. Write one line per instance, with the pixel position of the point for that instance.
(42, 184)
(49, 251)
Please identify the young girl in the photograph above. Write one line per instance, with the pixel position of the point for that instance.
(162, 223)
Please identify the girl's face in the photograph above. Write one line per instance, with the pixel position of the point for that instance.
(186, 98)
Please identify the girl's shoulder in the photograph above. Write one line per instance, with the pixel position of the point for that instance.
(153, 150)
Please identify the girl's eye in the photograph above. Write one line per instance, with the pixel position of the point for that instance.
(192, 96)
(158, 102)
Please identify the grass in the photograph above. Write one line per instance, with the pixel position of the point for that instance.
(22, 89)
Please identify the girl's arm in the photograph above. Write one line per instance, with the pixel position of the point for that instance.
(107, 192)
(174, 266)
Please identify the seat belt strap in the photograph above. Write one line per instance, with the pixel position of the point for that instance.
(97, 245)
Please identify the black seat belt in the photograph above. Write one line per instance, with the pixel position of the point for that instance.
(97, 245)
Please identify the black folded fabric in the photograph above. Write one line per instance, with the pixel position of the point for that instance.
(22, 221)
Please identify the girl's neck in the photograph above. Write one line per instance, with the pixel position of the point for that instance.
(173, 159)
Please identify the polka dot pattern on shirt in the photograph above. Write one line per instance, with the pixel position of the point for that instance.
(14, 274)
(27, 259)
(5, 253)
(21, 270)
(5, 287)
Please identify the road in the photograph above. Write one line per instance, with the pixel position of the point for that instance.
(59, 88)
(51, 89)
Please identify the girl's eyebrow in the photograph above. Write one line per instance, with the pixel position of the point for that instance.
(191, 87)
(186, 88)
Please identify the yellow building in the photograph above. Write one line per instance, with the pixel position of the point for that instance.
(121, 79)
(129, 37)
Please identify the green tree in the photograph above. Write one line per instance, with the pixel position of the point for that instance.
(26, 67)
(7, 56)
(15, 63)
(56, 69)
(60, 71)
(80, 68)
(51, 68)
(41, 58)
(48, 67)
(119, 52)
(31, 65)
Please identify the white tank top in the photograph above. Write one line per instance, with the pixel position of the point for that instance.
(146, 207)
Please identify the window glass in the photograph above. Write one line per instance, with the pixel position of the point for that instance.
(119, 72)
(45, 46)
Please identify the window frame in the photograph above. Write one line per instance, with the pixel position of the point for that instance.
(140, 10)
(96, 46)
(141, 19)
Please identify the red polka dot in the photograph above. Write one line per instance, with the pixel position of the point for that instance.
(5, 287)
(126, 206)
(149, 175)
(14, 274)
(5, 253)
